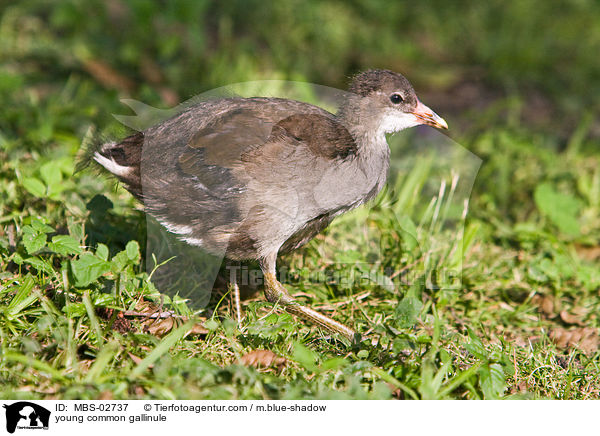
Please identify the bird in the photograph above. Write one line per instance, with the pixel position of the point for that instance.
(253, 178)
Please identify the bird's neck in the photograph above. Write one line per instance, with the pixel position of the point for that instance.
(367, 132)
(373, 152)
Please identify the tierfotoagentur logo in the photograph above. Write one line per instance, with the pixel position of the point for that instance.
(24, 415)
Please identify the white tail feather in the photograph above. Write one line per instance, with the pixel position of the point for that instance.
(111, 165)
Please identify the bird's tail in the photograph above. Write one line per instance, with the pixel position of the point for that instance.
(90, 145)
(122, 159)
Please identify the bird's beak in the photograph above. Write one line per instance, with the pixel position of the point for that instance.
(426, 116)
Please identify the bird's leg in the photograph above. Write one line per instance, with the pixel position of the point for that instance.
(275, 292)
(234, 290)
(237, 305)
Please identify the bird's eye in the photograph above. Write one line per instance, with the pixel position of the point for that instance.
(396, 98)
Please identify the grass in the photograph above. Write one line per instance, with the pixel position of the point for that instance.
(520, 323)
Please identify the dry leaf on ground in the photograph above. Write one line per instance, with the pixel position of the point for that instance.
(569, 318)
(158, 327)
(198, 329)
(159, 322)
(263, 359)
(585, 339)
(545, 303)
(154, 320)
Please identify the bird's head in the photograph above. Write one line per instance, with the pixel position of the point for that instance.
(387, 102)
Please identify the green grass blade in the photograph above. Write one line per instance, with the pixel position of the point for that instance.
(162, 348)
(89, 307)
(34, 363)
(105, 356)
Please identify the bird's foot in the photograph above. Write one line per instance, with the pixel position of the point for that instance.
(275, 292)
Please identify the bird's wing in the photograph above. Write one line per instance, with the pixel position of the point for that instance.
(322, 136)
(283, 137)
(216, 148)
(300, 149)
(224, 139)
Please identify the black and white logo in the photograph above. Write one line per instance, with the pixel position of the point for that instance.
(26, 415)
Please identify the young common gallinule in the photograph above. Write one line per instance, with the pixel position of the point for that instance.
(251, 178)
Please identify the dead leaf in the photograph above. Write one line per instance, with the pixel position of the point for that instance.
(10, 232)
(198, 329)
(120, 324)
(585, 339)
(580, 311)
(264, 359)
(158, 327)
(545, 303)
(569, 318)
(157, 322)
